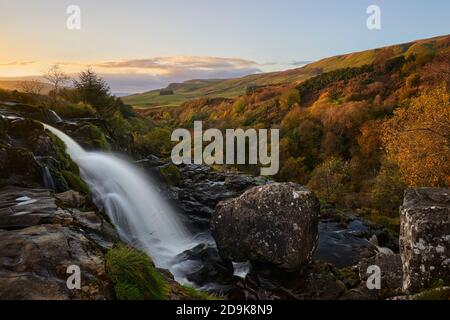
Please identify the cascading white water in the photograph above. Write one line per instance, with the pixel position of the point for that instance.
(142, 218)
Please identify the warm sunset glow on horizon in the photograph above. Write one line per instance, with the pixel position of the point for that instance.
(146, 44)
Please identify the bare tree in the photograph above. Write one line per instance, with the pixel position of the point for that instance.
(31, 86)
(56, 77)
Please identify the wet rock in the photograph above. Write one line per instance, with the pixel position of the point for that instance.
(208, 268)
(200, 188)
(275, 223)
(24, 128)
(20, 208)
(391, 274)
(34, 262)
(317, 281)
(71, 199)
(18, 167)
(425, 238)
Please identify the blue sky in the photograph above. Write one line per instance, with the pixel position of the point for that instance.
(260, 35)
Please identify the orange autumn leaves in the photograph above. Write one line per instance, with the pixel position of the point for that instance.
(417, 139)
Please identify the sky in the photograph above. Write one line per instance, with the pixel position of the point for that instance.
(139, 45)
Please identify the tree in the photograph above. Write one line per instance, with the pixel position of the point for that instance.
(94, 90)
(289, 98)
(417, 139)
(387, 189)
(329, 178)
(56, 77)
(31, 86)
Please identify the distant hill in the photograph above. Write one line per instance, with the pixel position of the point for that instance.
(229, 88)
(16, 85)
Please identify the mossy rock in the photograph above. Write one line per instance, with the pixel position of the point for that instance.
(92, 138)
(65, 161)
(171, 174)
(74, 182)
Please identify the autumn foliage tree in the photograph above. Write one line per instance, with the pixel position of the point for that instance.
(417, 139)
(329, 179)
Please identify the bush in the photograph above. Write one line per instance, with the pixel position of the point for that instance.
(157, 141)
(78, 110)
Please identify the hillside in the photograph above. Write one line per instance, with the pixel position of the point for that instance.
(229, 88)
(364, 132)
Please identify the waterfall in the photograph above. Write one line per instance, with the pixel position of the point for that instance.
(47, 178)
(128, 196)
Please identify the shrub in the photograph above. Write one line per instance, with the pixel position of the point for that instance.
(78, 110)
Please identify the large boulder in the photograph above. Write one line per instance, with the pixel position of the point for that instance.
(425, 238)
(275, 223)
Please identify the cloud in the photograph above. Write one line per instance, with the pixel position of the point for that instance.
(17, 63)
(181, 62)
(300, 62)
(138, 75)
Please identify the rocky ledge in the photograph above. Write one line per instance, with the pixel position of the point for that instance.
(40, 240)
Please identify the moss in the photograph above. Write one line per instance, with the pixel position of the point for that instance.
(66, 163)
(134, 276)
(74, 181)
(349, 277)
(434, 294)
(66, 172)
(171, 174)
(91, 137)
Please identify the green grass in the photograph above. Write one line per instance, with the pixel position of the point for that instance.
(134, 275)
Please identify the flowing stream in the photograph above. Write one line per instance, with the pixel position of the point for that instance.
(128, 196)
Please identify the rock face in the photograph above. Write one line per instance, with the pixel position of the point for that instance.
(34, 262)
(425, 238)
(275, 223)
(391, 274)
(39, 241)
